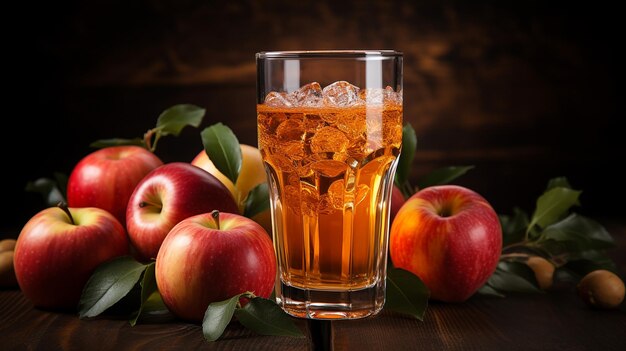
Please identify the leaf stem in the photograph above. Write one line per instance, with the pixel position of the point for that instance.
(157, 136)
(248, 294)
(514, 255)
(149, 136)
(521, 244)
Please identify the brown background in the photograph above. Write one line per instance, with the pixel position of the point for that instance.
(524, 91)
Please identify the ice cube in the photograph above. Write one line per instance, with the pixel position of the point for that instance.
(392, 134)
(290, 130)
(275, 99)
(309, 199)
(309, 95)
(336, 194)
(372, 96)
(341, 94)
(361, 193)
(304, 171)
(329, 139)
(294, 150)
(392, 117)
(378, 96)
(270, 122)
(312, 122)
(329, 168)
(393, 97)
(362, 147)
(357, 150)
(329, 117)
(340, 156)
(352, 123)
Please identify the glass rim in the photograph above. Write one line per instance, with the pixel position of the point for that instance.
(328, 54)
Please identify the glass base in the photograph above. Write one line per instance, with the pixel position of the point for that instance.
(325, 304)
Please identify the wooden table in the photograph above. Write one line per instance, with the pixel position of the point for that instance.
(557, 320)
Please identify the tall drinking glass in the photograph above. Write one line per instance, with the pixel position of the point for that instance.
(330, 132)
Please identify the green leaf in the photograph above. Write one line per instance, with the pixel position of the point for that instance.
(552, 205)
(574, 234)
(513, 227)
(566, 275)
(102, 143)
(513, 277)
(222, 147)
(267, 318)
(109, 283)
(49, 190)
(406, 293)
(443, 176)
(558, 182)
(177, 117)
(154, 309)
(589, 261)
(155, 304)
(217, 317)
(61, 180)
(488, 290)
(405, 162)
(148, 287)
(258, 200)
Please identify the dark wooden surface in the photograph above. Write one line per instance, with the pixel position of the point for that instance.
(24, 327)
(552, 321)
(556, 320)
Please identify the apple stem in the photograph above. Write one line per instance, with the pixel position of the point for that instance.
(62, 205)
(143, 204)
(445, 211)
(216, 217)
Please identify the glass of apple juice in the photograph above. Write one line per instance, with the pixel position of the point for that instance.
(330, 132)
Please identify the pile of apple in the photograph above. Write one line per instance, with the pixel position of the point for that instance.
(123, 200)
(189, 218)
(451, 238)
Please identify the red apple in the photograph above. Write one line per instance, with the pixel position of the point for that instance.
(107, 177)
(57, 251)
(397, 200)
(166, 196)
(450, 237)
(204, 260)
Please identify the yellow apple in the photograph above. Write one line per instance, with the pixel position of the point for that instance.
(252, 173)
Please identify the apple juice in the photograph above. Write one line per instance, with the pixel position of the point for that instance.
(330, 170)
